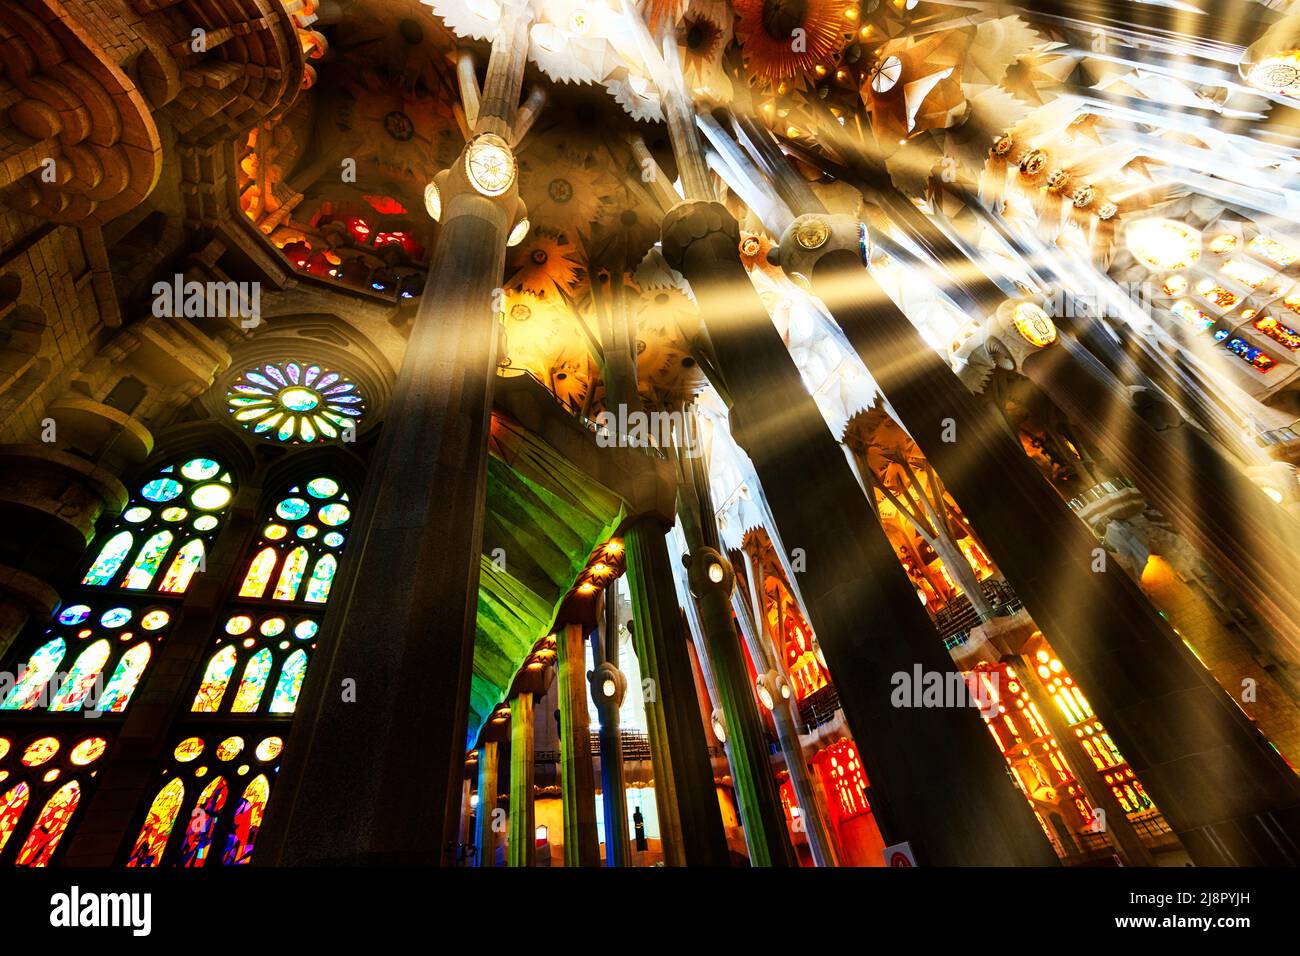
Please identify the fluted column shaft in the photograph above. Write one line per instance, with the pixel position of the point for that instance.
(577, 777)
(521, 844)
(489, 762)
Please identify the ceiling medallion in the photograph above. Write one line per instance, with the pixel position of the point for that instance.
(1033, 324)
(489, 164)
(812, 233)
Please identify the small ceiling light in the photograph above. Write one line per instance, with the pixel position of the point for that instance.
(716, 573)
(1274, 494)
(518, 233)
(586, 588)
(608, 688)
(765, 696)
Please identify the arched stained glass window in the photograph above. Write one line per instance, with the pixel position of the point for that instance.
(322, 577)
(120, 687)
(52, 822)
(41, 781)
(295, 565)
(256, 673)
(203, 823)
(247, 822)
(81, 678)
(285, 699)
(112, 648)
(152, 841)
(12, 805)
(215, 680)
(187, 561)
(259, 573)
(169, 523)
(34, 677)
(213, 817)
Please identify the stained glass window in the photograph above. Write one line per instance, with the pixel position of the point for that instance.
(201, 779)
(152, 841)
(256, 673)
(41, 786)
(112, 648)
(215, 680)
(169, 522)
(295, 402)
(203, 823)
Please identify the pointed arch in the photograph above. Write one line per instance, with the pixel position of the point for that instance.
(118, 691)
(147, 562)
(82, 677)
(259, 573)
(40, 667)
(247, 822)
(152, 841)
(188, 560)
(45, 834)
(203, 822)
(322, 578)
(289, 685)
(215, 680)
(12, 805)
(253, 683)
(286, 589)
(110, 558)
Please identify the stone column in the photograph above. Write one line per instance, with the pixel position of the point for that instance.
(859, 600)
(763, 647)
(1224, 791)
(375, 778)
(712, 582)
(690, 820)
(521, 844)
(577, 778)
(489, 760)
(608, 685)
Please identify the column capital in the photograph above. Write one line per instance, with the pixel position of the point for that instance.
(697, 220)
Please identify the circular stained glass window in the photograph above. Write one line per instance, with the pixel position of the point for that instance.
(174, 514)
(322, 487)
(333, 539)
(228, 748)
(162, 489)
(238, 625)
(269, 748)
(137, 514)
(335, 514)
(39, 751)
(307, 531)
(305, 629)
(198, 469)
(115, 617)
(205, 523)
(88, 751)
(74, 615)
(153, 620)
(293, 402)
(274, 532)
(273, 626)
(188, 749)
(291, 509)
(210, 497)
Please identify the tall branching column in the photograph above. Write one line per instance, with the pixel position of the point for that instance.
(861, 604)
(608, 686)
(1227, 794)
(373, 774)
(762, 647)
(690, 819)
(712, 583)
(577, 778)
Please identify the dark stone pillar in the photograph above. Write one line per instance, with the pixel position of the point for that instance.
(608, 685)
(689, 816)
(577, 778)
(1224, 790)
(860, 602)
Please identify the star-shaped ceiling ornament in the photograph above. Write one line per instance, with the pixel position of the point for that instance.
(782, 41)
(544, 265)
(914, 85)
